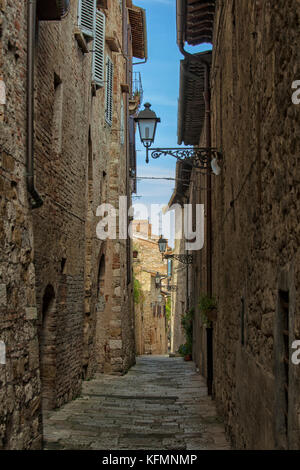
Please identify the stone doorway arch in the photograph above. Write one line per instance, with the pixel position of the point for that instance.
(48, 349)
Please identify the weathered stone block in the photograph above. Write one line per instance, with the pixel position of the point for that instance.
(115, 324)
(3, 295)
(31, 313)
(118, 291)
(7, 162)
(115, 344)
(115, 332)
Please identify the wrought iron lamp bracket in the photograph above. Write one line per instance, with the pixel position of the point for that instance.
(172, 288)
(196, 157)
(185, 259)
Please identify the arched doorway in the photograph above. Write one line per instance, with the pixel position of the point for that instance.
(48, 349)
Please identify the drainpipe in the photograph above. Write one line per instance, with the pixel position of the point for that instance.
(180, 42)
(209, 331)
(31, 24)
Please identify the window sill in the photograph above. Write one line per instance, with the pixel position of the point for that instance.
(79, 36)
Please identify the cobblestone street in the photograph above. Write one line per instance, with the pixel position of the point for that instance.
(160, 404)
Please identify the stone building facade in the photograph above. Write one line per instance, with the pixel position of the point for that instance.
(65, 296)
(151, 326)
(178, 299)
(254, 250)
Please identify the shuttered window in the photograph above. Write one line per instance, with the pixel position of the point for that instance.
(87, 17)
(98, 55)
(109, 90)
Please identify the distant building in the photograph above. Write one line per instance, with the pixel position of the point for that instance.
(151, 326)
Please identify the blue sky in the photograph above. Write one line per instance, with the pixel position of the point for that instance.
(160, 77)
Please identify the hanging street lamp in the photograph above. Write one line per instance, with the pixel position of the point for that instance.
(147, 122)
(205, 159)
(162, 245)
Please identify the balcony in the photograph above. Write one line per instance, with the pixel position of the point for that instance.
(136, 96)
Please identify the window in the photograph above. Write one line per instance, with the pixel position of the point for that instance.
(98, 55)
(87, 17)
(109, 91)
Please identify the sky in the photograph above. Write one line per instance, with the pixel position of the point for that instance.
(160, 78)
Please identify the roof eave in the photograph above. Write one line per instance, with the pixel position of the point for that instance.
(138, 22)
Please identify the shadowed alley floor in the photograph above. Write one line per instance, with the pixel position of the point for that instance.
(161, 403)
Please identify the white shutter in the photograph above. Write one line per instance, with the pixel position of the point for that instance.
(87, 16)
(98, 54)
(109, 91)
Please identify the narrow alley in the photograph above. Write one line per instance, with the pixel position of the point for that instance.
(149, 226)
(160, 404)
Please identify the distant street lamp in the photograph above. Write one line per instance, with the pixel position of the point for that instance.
(157, 280)
(162, 244)
(197, 157)
(185, 259)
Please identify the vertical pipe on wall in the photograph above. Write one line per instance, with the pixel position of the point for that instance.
(31, 25)
(209, 331)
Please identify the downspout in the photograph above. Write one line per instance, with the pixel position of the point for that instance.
(180, 42)
(209, 331)
(31, 24)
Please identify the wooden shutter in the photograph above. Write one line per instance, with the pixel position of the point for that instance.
(109, 90)
(98, 54)
(87, 17)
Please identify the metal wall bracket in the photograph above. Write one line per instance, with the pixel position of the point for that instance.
(196, 157)
(185, 259)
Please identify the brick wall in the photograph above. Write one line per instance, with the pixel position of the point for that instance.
(179, 303)
(66, 297)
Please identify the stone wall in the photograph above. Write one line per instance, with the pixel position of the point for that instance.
(63, 73)
(65, 296)
(20, 390)
(109, 311)
(256, 255)
(178, 298)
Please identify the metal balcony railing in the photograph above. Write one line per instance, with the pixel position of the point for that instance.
(137, 86)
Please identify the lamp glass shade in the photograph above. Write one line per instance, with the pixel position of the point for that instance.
(147, 122)
(147, 128)
(162, 244)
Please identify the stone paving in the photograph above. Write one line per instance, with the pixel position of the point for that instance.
(161, 404)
